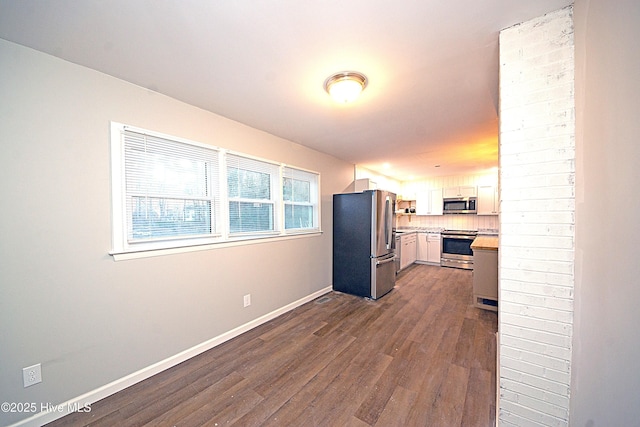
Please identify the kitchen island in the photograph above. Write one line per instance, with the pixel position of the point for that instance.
(485, 272)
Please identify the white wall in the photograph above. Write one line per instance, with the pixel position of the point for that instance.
(537, 217)
(606, 354)
(65, 303)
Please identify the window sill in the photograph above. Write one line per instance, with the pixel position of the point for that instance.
(146, 253)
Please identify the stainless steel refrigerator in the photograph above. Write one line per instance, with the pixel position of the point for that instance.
(364, 243)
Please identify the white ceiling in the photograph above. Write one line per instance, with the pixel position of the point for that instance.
(432, 67)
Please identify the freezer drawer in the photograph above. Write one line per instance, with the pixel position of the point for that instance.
(383, 273)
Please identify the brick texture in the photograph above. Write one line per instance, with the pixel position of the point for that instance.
(537, 218)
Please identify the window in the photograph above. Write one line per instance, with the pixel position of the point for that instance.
(170, 188)
(252, 188)
(300, 194)
(173, 193)
(166, 192)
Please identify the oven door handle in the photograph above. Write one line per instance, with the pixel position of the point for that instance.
(448, 236)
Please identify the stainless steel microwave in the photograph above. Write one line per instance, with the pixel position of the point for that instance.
(460, 205)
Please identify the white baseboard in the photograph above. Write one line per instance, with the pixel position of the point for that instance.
(59, 411)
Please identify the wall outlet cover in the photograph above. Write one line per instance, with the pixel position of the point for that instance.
(32, 375)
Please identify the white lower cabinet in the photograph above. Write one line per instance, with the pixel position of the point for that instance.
(408, 250)
(428, 248)
(423, 249)
(433, 242)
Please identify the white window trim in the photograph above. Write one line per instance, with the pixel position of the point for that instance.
(316, 206)
(123, 250)
(275, 183)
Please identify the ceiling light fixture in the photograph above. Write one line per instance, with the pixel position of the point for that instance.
(345, 86)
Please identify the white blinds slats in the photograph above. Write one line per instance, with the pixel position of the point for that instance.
(170, 188)
(300, 195)
(252, 191)
(169, 192)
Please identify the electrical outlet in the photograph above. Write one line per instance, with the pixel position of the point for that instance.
(247, 300)
(32, 375)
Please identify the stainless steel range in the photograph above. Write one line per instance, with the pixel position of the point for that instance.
(456, 249)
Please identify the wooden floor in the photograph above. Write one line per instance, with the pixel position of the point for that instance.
(420, 356)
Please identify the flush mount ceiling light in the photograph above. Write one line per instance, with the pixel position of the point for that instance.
(345, 86)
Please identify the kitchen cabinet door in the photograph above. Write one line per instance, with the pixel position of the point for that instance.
(429, 202)
(413, 249)
(408, 251)
(462, 191)
(428, 250)
(436, 201)
(468, 191)
(433, 248)
(423, 204)
(423, 249)
(451, 192)
(487, 200)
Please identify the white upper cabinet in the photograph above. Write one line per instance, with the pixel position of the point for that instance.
(488, 200)
(462, 191)
(429, 202)
(436, 201)
(423, 204)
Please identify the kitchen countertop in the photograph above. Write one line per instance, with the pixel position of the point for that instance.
(419, 230)
(485, 242)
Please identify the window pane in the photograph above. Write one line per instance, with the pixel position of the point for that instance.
(171, 188)
(251, 194)
(160, 217)
(172, 177)
(247, 216)
(300, 193)
(296, 190)
(297, 216)
(247, 184)
(162, 167)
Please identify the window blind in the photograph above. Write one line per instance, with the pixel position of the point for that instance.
(252, 193)
(300, 199)
(171, 188)
(172, 193)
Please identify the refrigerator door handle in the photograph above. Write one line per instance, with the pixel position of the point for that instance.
(386, 260)
(387, 223)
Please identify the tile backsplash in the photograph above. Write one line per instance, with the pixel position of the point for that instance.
(449, 222)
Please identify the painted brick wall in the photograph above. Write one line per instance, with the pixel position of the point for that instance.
(537, 212)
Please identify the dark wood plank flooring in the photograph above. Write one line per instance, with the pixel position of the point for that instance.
(420, 356)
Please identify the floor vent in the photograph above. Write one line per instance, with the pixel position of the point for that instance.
(322, 300)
